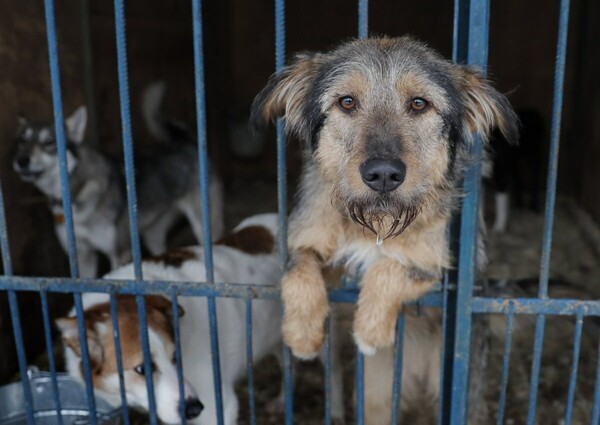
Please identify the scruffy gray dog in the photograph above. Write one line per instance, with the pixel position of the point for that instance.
(386, 124)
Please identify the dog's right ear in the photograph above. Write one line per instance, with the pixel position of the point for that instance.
(75, 125)
(288, 95)
(70, 336)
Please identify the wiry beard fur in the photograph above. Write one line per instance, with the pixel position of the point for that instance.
(385, 218)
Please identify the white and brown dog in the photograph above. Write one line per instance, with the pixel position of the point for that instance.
(248, 255)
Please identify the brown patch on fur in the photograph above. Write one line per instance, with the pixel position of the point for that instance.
(251, 240)
(99, 332)
(173, 258)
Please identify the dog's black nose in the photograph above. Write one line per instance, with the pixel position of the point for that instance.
(23, 161)
(383, 175)
(193, 408)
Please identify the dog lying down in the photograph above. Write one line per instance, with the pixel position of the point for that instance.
(248, 255)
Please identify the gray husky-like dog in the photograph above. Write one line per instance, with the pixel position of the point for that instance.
(166, 180)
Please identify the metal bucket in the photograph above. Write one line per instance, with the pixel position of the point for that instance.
(74, 408)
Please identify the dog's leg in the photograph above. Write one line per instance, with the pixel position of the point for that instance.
(217, 209)
(230, 405)
(385, 286)
(502, 209)
(87, 259)
(306, 307)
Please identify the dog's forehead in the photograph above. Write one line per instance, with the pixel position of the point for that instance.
(36, 132)
(380, 64)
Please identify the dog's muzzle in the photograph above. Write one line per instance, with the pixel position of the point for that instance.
(193, 408)
(383, 175)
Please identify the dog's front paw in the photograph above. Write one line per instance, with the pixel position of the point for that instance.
(305, 310)
(373, 331)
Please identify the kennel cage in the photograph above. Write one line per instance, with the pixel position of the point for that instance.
(458, 301)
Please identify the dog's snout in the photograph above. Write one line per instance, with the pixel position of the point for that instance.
(22, 161)
(383, 175)
(193, 408)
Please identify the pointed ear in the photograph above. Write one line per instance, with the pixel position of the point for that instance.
(485, 107)
(75, 125)
(70, 336)
(163, 305)
(288, 95)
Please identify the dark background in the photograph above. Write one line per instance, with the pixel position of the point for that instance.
(239, 57)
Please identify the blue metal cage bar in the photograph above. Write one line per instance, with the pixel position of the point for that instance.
(471, 29)
(467, 266)
(119, 357)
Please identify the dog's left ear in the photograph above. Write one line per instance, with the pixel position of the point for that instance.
(75, 125)
(288, 95)
(485, 107)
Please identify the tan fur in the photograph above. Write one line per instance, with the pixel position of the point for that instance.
(396, 239)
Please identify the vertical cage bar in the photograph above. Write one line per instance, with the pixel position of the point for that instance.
(575, 364)
(203, 164)
(119, 356)
(85, 357)
(4, 244)
(16, 324)
(398, 358)
(363, 18)
(596, 405)
(178, 357)
(14, 314)
(50, 351)
(121, 40)
(201, 128)
(214, 343)
(288, 385)
(327, 366)
(559, 78)
(467, 267)
(446, 355)
(281, 148)
(249, 361)
(505, 363)
(460, 35)
(360, 388)
(282, 202)
(535, 367)
(459, 55)
(147, 357)
(60, 135)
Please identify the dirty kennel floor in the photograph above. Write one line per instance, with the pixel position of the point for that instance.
(515, 255)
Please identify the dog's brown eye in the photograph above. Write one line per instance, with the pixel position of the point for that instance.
(418, 104)
(347, 103)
